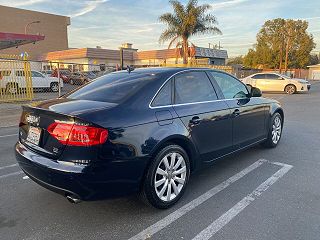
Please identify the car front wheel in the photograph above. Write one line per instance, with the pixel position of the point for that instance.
(290, 89)
(54, 87)
(275, 131)
(167, 177)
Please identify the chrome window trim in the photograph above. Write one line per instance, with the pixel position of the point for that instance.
(184, 104)
(169, 78)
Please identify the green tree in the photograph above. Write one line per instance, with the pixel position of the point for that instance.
(281, 44)
(235, 60)
(187, 21)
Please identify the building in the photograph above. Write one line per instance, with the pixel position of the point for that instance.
(52, 27)
(171, 56)
(314, 72)
(84, 59)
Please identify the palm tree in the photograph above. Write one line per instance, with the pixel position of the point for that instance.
(187, 21)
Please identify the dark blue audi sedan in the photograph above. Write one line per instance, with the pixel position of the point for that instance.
(142, 131)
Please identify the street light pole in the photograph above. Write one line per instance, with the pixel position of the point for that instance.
(27, 25)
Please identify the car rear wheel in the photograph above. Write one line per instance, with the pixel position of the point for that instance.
(275, 131)
(12, 88)
(167, 177)
(290, 89)
(54, 87)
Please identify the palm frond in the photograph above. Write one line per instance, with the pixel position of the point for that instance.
(167, 35)
(173, 41)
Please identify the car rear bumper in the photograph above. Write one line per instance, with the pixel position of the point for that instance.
(84, 182)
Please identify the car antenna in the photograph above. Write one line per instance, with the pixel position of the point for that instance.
(129, 69)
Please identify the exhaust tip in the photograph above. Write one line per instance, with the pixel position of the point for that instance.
(73, 199)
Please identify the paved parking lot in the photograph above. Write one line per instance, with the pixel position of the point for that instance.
(257, 194)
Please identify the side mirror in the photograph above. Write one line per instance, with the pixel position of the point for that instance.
(255, 92)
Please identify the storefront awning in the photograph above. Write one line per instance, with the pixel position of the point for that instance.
(8, 40)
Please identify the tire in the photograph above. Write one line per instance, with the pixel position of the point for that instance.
(12, 88)
(161, 172)
(275, 131)
(290, 89)
(54, 87)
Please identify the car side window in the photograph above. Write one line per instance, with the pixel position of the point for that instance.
(272, 76)
(20, 73)
(259, 76)
(163, 97)
(230, 86)
(193, 87)
(36, 74)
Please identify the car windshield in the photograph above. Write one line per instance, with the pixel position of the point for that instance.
(284, 76)
(113, 88)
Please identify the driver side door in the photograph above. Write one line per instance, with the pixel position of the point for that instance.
(275, 82)
(38, 80)
(248, 113)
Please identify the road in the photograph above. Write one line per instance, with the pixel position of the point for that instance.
(257, 194)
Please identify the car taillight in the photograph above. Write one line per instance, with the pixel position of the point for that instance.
(77, 135)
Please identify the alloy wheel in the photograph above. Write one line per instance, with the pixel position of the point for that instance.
(13, 89)
(55, 87)
(290, 89)
(170, 176)
(276, 130)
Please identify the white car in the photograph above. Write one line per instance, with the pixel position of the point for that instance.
(275, 82)
(13, 80)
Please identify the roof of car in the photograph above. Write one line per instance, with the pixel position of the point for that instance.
(155, 70)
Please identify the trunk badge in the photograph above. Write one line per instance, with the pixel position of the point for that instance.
(33, 120)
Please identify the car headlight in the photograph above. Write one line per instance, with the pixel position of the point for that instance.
(303, 82)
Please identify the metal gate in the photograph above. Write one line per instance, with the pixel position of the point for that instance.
(15, 78)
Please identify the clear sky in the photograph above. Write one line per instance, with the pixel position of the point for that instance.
(108, 23)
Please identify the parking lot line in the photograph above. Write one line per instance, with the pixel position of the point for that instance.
(11, 174)
(224, 219)
(10, 135)
(156, 227)
(9, 166)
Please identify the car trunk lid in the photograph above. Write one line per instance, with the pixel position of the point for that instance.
(36, 120)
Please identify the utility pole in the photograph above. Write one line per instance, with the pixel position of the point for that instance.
(281, 56)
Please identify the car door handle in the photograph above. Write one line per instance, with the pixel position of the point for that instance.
(195, 120)
(236, 113)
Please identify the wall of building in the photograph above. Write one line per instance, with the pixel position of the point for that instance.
(314, 73)
(54, 27)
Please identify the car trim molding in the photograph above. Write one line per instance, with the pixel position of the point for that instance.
(184, 104)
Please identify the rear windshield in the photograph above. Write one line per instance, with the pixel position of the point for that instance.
(113, 87)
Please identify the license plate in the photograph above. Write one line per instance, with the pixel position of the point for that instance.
(34, 134)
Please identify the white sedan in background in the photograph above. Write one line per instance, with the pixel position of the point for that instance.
(275, 82)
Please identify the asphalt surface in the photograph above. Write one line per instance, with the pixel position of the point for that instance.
(257, 194)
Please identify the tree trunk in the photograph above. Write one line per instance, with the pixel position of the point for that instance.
(185, 50)
(287, 55)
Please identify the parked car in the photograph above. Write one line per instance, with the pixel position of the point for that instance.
(47, 72)
(14, 80)
(78, 78)
(90, 75)
(143, 131)
(275, 82)
(64, 74)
